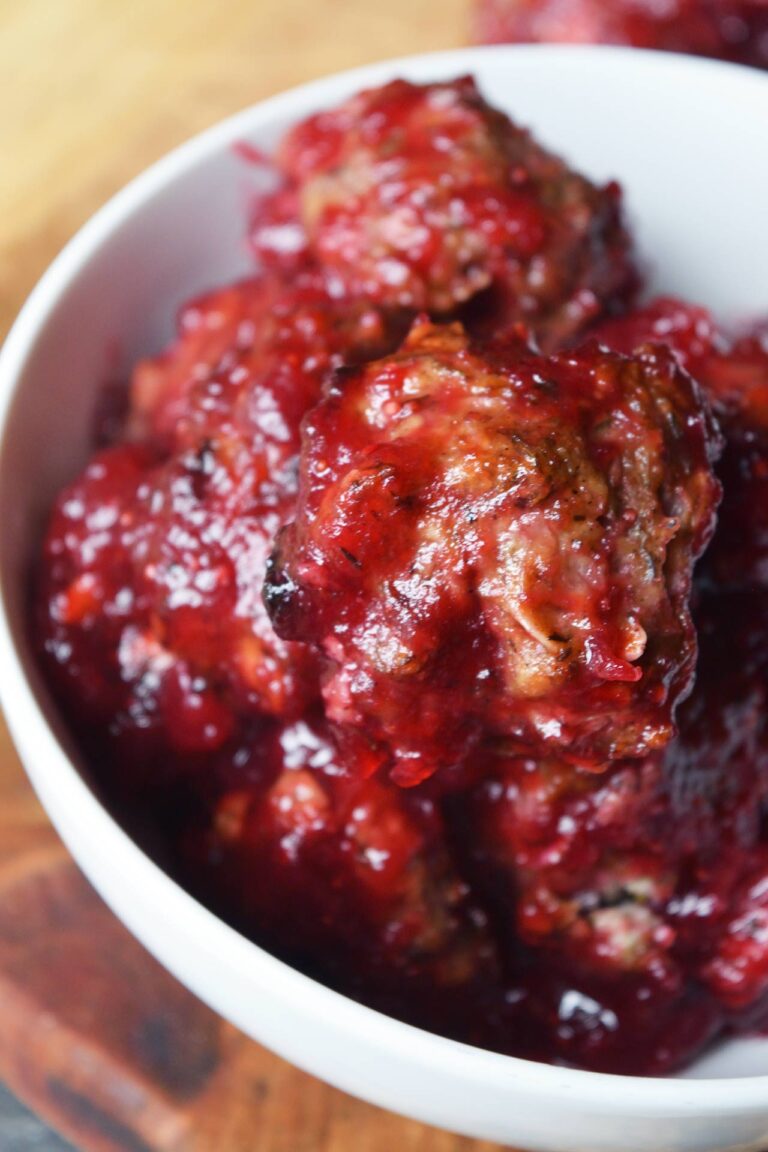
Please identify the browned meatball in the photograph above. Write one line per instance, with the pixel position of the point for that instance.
(423, 196)
(489, 539)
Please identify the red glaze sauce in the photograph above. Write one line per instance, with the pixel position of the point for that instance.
(486, 587)
(735, 30)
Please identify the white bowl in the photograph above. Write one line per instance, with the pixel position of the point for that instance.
(689, 140)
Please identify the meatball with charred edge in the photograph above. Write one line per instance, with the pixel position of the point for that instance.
(149, 611)
(490, 540)
(735, 30)
(421, 197)
(734, 375)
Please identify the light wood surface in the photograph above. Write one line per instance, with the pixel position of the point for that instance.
(94, 1035)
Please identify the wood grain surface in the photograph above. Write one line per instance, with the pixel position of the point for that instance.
(95, 1036)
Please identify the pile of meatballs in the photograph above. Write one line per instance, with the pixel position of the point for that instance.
(413, 609)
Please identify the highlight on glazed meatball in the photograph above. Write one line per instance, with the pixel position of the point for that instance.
(735, 30)
(421, 197)
(488, 539)
(734, 375)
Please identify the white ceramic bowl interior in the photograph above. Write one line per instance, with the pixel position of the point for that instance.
(689, 141)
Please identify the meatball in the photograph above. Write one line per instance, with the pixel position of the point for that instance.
(348, 878)
(687, 329)
(567, 855)
(640, 840)
(649, 877)
(421, 197)
(487, 538)
(149, 607)
(735, 30)
(149, 612)
(734, 375)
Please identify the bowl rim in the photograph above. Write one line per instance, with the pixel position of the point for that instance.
(60, 782)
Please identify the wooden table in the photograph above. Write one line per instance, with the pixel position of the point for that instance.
(95, 1037)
